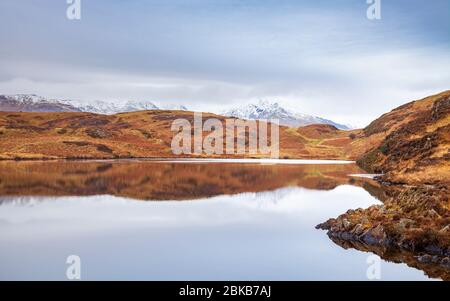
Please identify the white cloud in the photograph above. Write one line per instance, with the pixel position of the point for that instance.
(326, 60)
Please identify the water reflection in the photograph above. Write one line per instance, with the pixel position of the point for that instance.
(395, 255)
(245, 221)
(152, 180)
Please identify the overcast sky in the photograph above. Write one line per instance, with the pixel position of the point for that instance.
(320, 57)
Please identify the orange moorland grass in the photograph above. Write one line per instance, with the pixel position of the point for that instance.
(125, 135)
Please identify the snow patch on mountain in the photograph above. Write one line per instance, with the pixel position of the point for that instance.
(113, 107)
(273, 110)
(32, 102)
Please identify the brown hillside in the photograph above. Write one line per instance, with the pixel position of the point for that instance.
(125, 135)
(412, 142)
(318, 131)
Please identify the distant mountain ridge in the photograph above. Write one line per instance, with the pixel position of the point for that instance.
(35, 103)
(273, 110)
(260, 110)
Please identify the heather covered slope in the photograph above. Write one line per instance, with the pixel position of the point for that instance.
(413, 142)
(130, 135)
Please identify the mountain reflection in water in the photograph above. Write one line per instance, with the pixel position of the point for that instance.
(159, 180)
(245, 221)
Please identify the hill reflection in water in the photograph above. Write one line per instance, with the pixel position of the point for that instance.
(242, 217)
(159, 180)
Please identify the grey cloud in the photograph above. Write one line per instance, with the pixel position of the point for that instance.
(324, 58)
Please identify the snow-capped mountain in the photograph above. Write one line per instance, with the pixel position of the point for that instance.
(272, 110)
(113, 107)
(260, 110)
(34, 103)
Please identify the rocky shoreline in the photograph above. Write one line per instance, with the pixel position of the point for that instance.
(431, 265)
(414, 219)
(412, 151)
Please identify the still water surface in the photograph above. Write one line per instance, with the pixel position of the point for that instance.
(182, 220)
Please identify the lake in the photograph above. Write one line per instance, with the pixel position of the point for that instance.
(184, 220)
